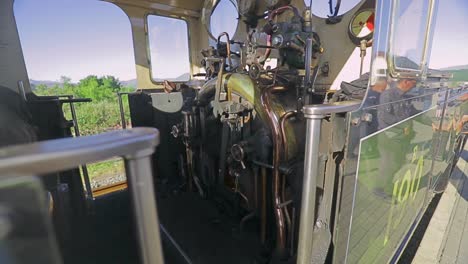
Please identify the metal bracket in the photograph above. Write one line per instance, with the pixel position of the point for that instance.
(314, 115)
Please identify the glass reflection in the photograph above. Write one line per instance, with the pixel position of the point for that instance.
(409, 33)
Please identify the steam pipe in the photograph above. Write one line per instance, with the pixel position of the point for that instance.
(228, 47)
(277, 139)
(283, 120)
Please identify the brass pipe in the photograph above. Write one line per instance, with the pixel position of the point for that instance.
(283, 120)
(228, 47)
(272, 121)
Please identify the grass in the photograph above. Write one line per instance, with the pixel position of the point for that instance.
(105, 168)
(95, 118)
(100, 115)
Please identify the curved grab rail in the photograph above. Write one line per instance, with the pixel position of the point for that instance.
(135, 146)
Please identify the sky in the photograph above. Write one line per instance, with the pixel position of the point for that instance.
(451, 35)
(174, 43)
(76, 38)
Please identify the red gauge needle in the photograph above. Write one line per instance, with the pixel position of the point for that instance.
(370, 23)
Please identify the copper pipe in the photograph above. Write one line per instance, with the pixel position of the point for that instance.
(284, 142)
(279, 10)
(276, 136)
(228, 47)
(267, 50)
(283, 120)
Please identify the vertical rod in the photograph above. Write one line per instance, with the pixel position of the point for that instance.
(140, 180)
(89, 191)
(22, 91)
(307, 218)
(122, 113)
(363, 47)
(308, 64)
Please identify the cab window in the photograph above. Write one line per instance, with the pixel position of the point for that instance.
(86, 53)
(409, 34)
(169, 51)
(224, 19)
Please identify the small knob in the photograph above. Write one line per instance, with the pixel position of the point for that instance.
(175, 131)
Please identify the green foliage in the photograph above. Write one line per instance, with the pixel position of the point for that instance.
(94, 87)
(101, 115)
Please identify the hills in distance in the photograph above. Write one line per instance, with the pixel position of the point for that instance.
(127, 83)
(460, 74)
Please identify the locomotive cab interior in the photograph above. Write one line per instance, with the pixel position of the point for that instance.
(229, 169)
(230, 164)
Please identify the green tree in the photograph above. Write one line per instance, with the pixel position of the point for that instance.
(98, 88)
(42, 89)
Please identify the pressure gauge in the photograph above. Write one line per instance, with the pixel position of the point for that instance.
(361, 26)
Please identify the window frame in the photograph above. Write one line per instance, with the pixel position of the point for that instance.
(398, 72)
(148, 46)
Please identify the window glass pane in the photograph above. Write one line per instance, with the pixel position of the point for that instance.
(169, 52)
(87, 53)
(224, 19)
(450, 31)
(409, 33)
(94, 39)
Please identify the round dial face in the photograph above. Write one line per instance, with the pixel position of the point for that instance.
(362, 25)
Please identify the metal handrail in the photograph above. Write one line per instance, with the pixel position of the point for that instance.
(314, 115)
(135, 146)
(121, 108)
(76, 128)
